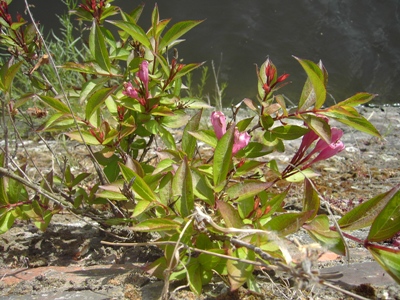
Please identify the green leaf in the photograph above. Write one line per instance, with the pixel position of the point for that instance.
(357, 99)
(248, 166)
(364, 214)
(189, 141)
(88, 138)
(141, 206)
(7, 219)
(276, 202)
(182, 187)
(44, 223)
(243, 124)
(55, 103)
(389, 260)
(319, 126)
(319, 230)
(139, 186)
(159, 224)
(317, 81)
(177, 120)
(287, 223)
(289, 132)
(206, 136)
(176, 31)
(194, 277)
(223, 158)
(349, 116)
(311, 200)
(7, 74)
(238, 271)
(111, 191)
(3, 184)
(98, 48)
(246, 189)
(254, 150)
(166, 137)
(229, 214)
(202, 188)
(300, 176)
(387, 223)
(135, 31)
(97, 99)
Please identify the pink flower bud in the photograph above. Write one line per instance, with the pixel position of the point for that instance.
(218, 121)
(143, 73)
(241, 140)
(130, 91)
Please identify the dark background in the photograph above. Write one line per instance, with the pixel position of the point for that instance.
(358, 41)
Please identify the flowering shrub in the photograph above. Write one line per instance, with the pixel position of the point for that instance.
(220, 206)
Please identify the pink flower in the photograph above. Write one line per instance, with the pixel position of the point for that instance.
(327, 152)
(130, 91)
(241, 139)
(218, 121)
(321, 151)
(143, 74)
(336, 134)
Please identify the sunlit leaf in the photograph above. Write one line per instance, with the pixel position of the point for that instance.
(311, 200)
(238, 271)
(300, 176)
(135, 31)
(319, 230)
(7, 219)
(206, 136)
(189, 141)
(364, 214)
(319, 126)
(316, 78)
(88, 138)
(176, 31)
(194, 277)
(349, 116)
(246, 189)
(387, 223)
(201, 187)
(287, 223)
(254, 150)
(7, 74)
(357, 99)
(229, 214)
(289, 132)
(389, 260)
(182, 187)
(244, 123)
(157, 224)
(223, 158)
(139, 186)
(97, 99)
(98, 48)
(55, 104)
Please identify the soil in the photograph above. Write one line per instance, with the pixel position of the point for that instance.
(72, 263)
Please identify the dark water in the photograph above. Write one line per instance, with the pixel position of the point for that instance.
(358, 41)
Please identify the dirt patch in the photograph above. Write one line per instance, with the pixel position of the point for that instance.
(366, 168)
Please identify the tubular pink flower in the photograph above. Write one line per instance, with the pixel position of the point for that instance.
(143, 74)
(218, 121)
(336, 134)
(241, 140)
(327, 152)
(130, 91)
